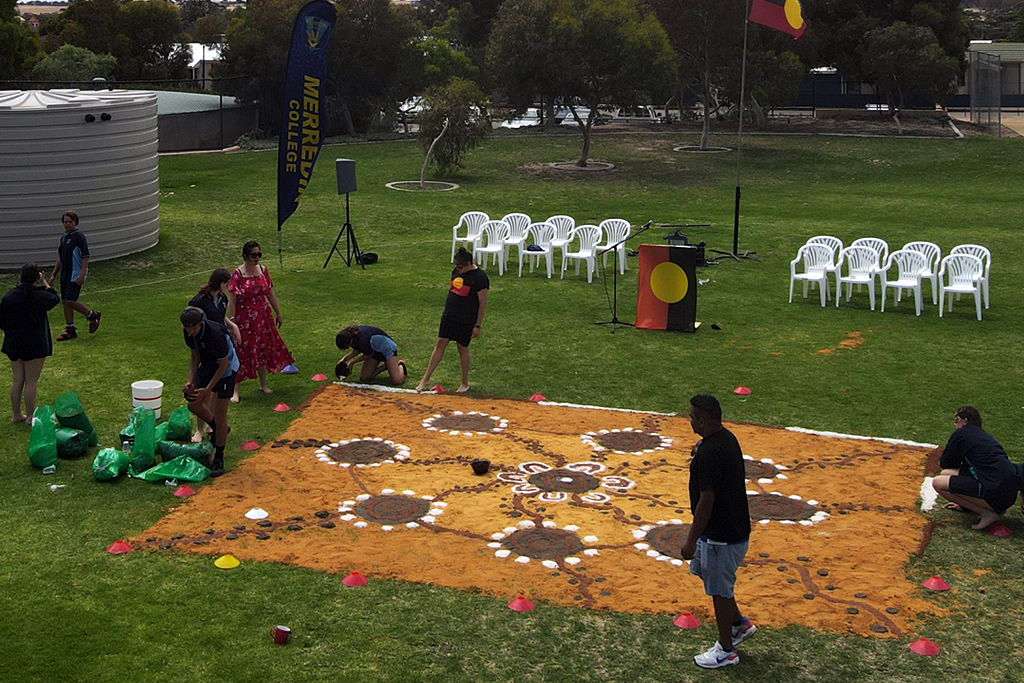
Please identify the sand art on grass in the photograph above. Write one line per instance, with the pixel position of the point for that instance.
(581, 507)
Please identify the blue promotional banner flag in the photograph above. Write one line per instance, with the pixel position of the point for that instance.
(302, 111)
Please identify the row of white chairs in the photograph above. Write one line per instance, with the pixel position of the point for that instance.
(964, 271)
(493, 239)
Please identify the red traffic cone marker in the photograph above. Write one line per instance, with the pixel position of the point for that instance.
(923, 646)
(686, 620)
(354, 580)
(282, 408)
(741, 391)
(536, 398)
(520, 604)
(250, 446)
(183, 491)
(999, 530)
(119, 548)
(319, 377)
(437, 389)
(935, 584)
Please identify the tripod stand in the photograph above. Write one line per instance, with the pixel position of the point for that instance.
(351, 246)
(615, 278)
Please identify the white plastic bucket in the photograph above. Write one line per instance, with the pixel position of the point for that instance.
(147, 393)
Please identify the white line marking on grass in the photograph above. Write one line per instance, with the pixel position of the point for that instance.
(884, 439)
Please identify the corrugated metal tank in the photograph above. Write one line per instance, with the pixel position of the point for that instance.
(92, 152)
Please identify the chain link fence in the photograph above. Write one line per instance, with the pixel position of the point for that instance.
(983, 83)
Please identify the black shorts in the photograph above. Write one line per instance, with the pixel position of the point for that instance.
(458, 332)
(70, 291)
(1000, 501)
(225, 388)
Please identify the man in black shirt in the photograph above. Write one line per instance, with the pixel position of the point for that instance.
(211, 370)
(719, 534)
(976, 474)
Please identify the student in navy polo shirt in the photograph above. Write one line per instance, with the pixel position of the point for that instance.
(73, 267)
(371, 346)
(210, 371)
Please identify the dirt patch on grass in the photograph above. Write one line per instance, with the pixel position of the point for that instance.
(581, 507)
(851, 341)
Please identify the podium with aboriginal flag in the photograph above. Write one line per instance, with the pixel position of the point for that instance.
(667, 290)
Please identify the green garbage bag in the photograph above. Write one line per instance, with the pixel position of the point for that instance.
(161, 432)
(182, 468)
(42, 444)
(179, 424)
(144, 447)
(169, 450)
(110, 463)
(71, 443)
(70, 413)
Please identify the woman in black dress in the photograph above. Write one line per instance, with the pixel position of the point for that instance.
(27, 339)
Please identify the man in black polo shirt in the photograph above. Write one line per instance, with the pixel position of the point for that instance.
(210, 371)
(976, 473)
(719, 534)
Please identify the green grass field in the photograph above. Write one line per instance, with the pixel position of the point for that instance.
(72, 612)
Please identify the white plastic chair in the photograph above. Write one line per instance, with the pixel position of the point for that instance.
(829, 241)
(541, 234)
(518, 224)
(862, 265)
(816, 260)
(563, 226)
(961, 274)
(491, 242)
(615, 230)
(588, 236)
(910, 266)
(472, 220)
(986, 259)
(880, 246)
(932, 256)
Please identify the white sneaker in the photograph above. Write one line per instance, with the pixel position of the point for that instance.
(743, 631)
(716, 658)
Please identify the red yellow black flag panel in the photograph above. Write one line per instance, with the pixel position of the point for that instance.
(781, 15)
(667, 291)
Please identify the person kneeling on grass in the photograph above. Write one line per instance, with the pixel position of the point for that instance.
(210, 371)
(976, 473)
(371, 346)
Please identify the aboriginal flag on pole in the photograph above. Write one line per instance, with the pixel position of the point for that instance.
(667, 291)
(302, 109)
(781, 15)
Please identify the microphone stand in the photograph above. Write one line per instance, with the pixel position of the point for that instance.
(615, 278)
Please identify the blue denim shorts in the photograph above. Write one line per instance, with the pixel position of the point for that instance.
(715, 563)
(383, 345)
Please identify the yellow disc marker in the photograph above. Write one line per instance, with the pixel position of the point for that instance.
(669, 283)
(226, 562)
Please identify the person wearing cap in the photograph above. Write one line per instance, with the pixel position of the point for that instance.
(719, 535)
(371, 346)
(211, 370)
(976, 473)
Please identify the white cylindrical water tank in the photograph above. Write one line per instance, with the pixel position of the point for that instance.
(94, 152)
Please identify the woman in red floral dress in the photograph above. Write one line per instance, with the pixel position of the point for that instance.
(250, 299)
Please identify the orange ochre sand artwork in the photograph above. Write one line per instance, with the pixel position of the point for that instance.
(581, 506)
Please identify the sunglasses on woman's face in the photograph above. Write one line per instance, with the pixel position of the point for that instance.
(255, 254)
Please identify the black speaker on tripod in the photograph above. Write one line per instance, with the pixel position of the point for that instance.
(346, 170)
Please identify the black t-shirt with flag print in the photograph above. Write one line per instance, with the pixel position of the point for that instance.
(463, 303)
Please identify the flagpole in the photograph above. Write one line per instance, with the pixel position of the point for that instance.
(739, 137)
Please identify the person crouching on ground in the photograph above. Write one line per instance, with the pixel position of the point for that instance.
(720, 532)
(976, 473)
(210, 371)
(371, 346)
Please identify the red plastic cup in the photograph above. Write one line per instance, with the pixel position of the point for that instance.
(280, 634)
